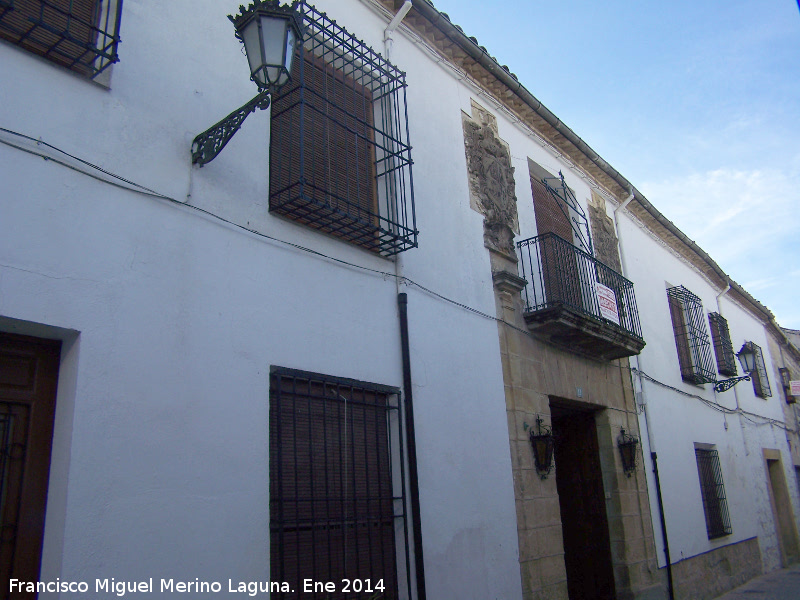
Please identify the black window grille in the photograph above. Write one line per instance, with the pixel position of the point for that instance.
(340, 160)
(712, 488)
(723, 348)
(759, 375)
(691, 336)
(571, 209)
(337, 503)
(786, 383)
(560, 273)
(81, 35)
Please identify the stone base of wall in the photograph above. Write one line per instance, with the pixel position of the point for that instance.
(713, 573)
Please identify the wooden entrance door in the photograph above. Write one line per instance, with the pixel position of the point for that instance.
(587, 546)
(28, 379)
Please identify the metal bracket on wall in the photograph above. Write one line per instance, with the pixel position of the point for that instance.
(208, 144)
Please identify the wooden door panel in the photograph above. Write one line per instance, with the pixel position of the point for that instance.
(587, 547)
(28, 381)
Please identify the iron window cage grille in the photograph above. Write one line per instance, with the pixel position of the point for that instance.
(337, 483)
(81, 35)
(573, 211)
(761, 386)
(561, 274)
(691, 336)
(712, 489)
(786, 383)
(723, 348)
(340, 159)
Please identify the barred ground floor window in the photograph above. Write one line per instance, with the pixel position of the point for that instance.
(337, 507)
(712, 488)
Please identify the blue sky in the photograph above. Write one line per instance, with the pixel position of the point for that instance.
(697, 103)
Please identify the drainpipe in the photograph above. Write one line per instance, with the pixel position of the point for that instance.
(388, 44)
(411, 444)
(402, 302)
(388, 33)
(619, 208)
(650, 440)
(654, 457)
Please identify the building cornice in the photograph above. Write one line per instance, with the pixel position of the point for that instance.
(465, 52)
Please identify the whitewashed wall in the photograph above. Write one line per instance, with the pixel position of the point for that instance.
(172, 319)
(678, 418)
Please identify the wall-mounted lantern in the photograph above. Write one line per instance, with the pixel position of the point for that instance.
(542, 443)
(270, 33)
(747, 358)
(627, 449)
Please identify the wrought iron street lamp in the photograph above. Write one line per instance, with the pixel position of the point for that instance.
(747, 358)
(270, 33)
(627, 449)
(542, 443)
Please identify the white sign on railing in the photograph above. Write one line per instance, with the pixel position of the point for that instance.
(607, 300)
(795, 388)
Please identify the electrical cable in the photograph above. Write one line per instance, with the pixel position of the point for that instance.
(140, 189)
(718, 407)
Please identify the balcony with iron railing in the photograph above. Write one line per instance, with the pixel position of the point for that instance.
(576, 302)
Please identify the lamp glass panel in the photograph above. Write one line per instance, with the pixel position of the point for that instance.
(748, 359)
(628, 456)
(273, 39)
(252, 46)
(542, 448)
(290, 43)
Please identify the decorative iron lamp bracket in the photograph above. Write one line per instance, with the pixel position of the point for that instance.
(208, 144)
(542, 444)
(726, 384)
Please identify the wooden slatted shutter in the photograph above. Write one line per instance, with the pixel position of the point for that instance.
(63, 31)
(681, 334)
(331, 490)
(560, 273)
(550, 217)
(761, 385)
(322, 171)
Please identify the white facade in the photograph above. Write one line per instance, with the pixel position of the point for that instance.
(737, 423)
(171, 318)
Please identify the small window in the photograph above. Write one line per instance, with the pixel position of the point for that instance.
(81, 35)
(723, 348)
(759, 375)
(340, 160)
(786, 383)
(712, 488)
(691, 336)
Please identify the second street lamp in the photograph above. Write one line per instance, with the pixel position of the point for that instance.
(747, 358)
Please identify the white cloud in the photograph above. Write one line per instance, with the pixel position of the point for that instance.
(748, 221)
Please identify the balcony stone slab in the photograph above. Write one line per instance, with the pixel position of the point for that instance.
(580, 333)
